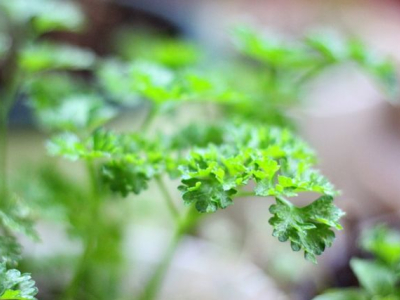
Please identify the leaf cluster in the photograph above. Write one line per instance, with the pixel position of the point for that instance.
(14, 285)
(215, 165)
(379, 278)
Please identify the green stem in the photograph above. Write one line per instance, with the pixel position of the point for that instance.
(153, 286)
(8, 98)
(245, 194)
(284, 200)
(168, 199)
(3, 154)
(310, 74)
(149, 118)
(91, 237)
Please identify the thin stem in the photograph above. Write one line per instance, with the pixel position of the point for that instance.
(153, 286)
(284, 200)
(91, 236)
(241, 194)
(3, 154)
(310, 74)
(8, 96)
(168, 199)
(149, 118)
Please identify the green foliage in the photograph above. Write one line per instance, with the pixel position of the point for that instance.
(303, 60)
(380, 278)
(140, 80)
(46, 56)
(16, 217)
(10, 250)
(4, 45)
(307, 228)
(14, 285)
(383, 243)
(170, 52)
(44, 15)
(248, 152)
(61, 102)
(221, 161)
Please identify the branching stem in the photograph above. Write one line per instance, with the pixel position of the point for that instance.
(153, 286)
(241, 194)
(168, 199)
(149, 118)
(91, 237)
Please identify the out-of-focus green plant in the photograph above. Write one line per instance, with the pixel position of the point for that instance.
(238, 136)
(24, 57)
(379, 278)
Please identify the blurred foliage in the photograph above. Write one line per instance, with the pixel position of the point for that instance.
(297, 62)
(170, 52)
(14, 285)
(44, 15)
(245, 150)
(379, 278)
(44, 56)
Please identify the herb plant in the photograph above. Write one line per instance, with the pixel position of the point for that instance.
(379, 278)
(240, 142)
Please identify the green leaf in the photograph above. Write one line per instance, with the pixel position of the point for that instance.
(115, 79)
(296, 63)
(329, 45)
(76, 113)
(207, 195)
(16, 217)
(14, 285)
(226, 159)
(383, 69)
(383, 243)
(164, 50)
(45, 15)
(307, 228)
(58, 16)
(153, 81)
(344, 294)
(375, 277)
(124, 177)
(10, 250)
(46, 56)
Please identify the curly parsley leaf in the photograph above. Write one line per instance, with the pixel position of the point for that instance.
(124, 177)
(282, 166)
(307, 228)
(279, 163)
(216, 164)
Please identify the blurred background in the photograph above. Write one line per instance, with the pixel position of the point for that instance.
(354, 130)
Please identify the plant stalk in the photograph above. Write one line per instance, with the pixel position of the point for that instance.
(153, 286)
(91, 237)
(168, 199)
(3, 153)
(149, 118)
